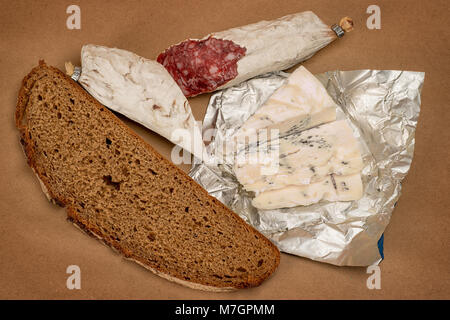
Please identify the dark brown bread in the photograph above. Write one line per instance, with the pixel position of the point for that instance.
(119, 189)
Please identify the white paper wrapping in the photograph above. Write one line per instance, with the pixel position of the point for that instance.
(142, 90)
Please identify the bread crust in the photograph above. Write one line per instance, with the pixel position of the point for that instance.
(26, 141)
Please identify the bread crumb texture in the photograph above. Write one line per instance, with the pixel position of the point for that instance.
(118, 188)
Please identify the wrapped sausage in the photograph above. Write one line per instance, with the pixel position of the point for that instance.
(227, 58)
(141, 90)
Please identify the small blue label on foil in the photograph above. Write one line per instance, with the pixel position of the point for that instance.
(380, 246)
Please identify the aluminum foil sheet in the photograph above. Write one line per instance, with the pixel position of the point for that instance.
(383, 109)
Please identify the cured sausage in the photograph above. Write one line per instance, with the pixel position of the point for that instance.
(141, 90)
(227, 58)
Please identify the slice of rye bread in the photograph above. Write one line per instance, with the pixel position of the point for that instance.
(117, 188)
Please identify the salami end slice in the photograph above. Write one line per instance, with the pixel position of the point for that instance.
(227, 58)
(200, 66)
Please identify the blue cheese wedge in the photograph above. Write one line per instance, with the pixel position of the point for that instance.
(332, 188)
(302, 102)
(303, 158)
(310, 158)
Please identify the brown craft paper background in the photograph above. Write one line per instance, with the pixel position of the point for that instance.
(37, 243)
